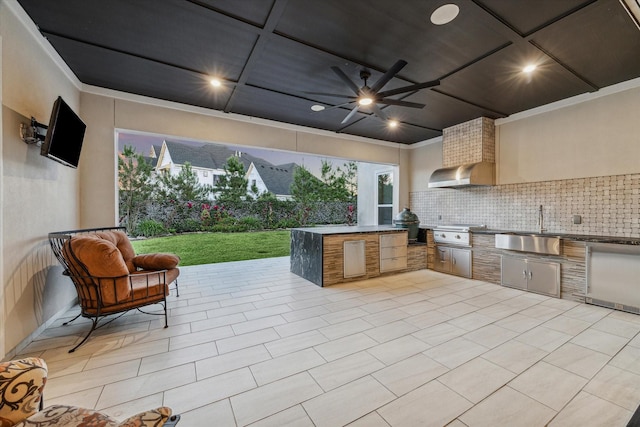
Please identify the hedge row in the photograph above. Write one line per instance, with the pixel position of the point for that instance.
(178, 217)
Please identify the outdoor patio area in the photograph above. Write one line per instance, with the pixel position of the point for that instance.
(250, 343)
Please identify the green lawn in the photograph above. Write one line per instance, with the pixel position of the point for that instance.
(209, 248)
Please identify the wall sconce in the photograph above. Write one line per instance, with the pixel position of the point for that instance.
(33, 133)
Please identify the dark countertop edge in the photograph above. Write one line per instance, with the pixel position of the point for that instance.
(346, 229)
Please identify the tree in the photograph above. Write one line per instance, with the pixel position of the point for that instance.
(232, 185)
(340, 185)
(134, 178)
(183, 187)
(350, 175)
(305, 188)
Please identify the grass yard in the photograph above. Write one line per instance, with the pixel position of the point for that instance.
(210, 248)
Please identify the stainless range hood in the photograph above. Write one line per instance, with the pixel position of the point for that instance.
(472, 174)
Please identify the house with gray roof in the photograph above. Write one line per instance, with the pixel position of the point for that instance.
(271, 178)
(208, 161)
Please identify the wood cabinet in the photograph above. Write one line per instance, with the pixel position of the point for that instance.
(393, 252)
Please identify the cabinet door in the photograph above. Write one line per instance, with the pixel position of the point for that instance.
(514, 272)
(355, 263)
(544, 277)
(461, 262)
(442, 259)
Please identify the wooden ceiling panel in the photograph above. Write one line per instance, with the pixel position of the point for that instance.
(372, 127)
(177, 33)
(498, 83)
(526, 17)
(440, 111)
(254, 11)
(256, 102)
(94, 66)
(599, 42)
(379, 32)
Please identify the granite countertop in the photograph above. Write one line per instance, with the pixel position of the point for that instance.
(567, 236)
(345, 229)
(577, 237)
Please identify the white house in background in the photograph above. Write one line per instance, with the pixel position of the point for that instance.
(271, 178)
(208, 160)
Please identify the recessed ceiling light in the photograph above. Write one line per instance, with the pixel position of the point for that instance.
(529, 68)
(365, 101)
(445, 14)
(317, 107)
(393, 123)
(215, 82)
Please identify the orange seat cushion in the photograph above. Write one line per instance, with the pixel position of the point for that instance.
(120, 239)
(158, 261)
(102, 259)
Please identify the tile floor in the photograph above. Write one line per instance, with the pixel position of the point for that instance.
(249, 343)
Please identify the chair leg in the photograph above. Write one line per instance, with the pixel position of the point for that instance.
(177, 290)
(69, 321)
(93, 328)
(166, 323)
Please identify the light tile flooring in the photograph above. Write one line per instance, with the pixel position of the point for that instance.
(249, 343)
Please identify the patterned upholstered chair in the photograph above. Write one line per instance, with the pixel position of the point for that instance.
(109, 277)
(21, 386)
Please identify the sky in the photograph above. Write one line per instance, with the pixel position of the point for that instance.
(143, 142)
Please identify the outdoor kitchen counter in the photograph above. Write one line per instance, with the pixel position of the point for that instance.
(346, 229)
(318, 255)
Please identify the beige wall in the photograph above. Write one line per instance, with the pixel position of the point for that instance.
(595, 138)
(38, 195)
(423, 160)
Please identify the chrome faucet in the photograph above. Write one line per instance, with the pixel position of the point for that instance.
(541, 220)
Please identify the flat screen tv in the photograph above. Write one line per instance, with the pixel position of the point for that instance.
(65, 134)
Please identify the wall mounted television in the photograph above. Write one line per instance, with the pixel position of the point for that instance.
(65, 134)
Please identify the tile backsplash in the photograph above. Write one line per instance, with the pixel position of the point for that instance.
(607, 205)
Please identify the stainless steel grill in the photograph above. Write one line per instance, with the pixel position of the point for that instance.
(455, 234)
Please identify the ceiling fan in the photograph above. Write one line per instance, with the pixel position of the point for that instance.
(371, 96)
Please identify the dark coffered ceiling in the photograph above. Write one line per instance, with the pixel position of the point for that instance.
(272, 53)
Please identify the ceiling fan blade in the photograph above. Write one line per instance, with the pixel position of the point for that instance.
(333, 107)
(378, 112)
(347, 80)
(399, 103)
(350, 115)
(409, 88)
(334, 95)
(391, 72)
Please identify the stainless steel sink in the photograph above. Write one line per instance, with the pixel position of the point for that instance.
(529, 242)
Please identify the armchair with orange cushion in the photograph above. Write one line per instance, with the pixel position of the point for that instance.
(21, 403)
(109, 277)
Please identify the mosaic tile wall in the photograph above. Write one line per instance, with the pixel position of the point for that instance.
(608, 206)
(469, 142)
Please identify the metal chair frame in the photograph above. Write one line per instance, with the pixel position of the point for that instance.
(89, 288)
